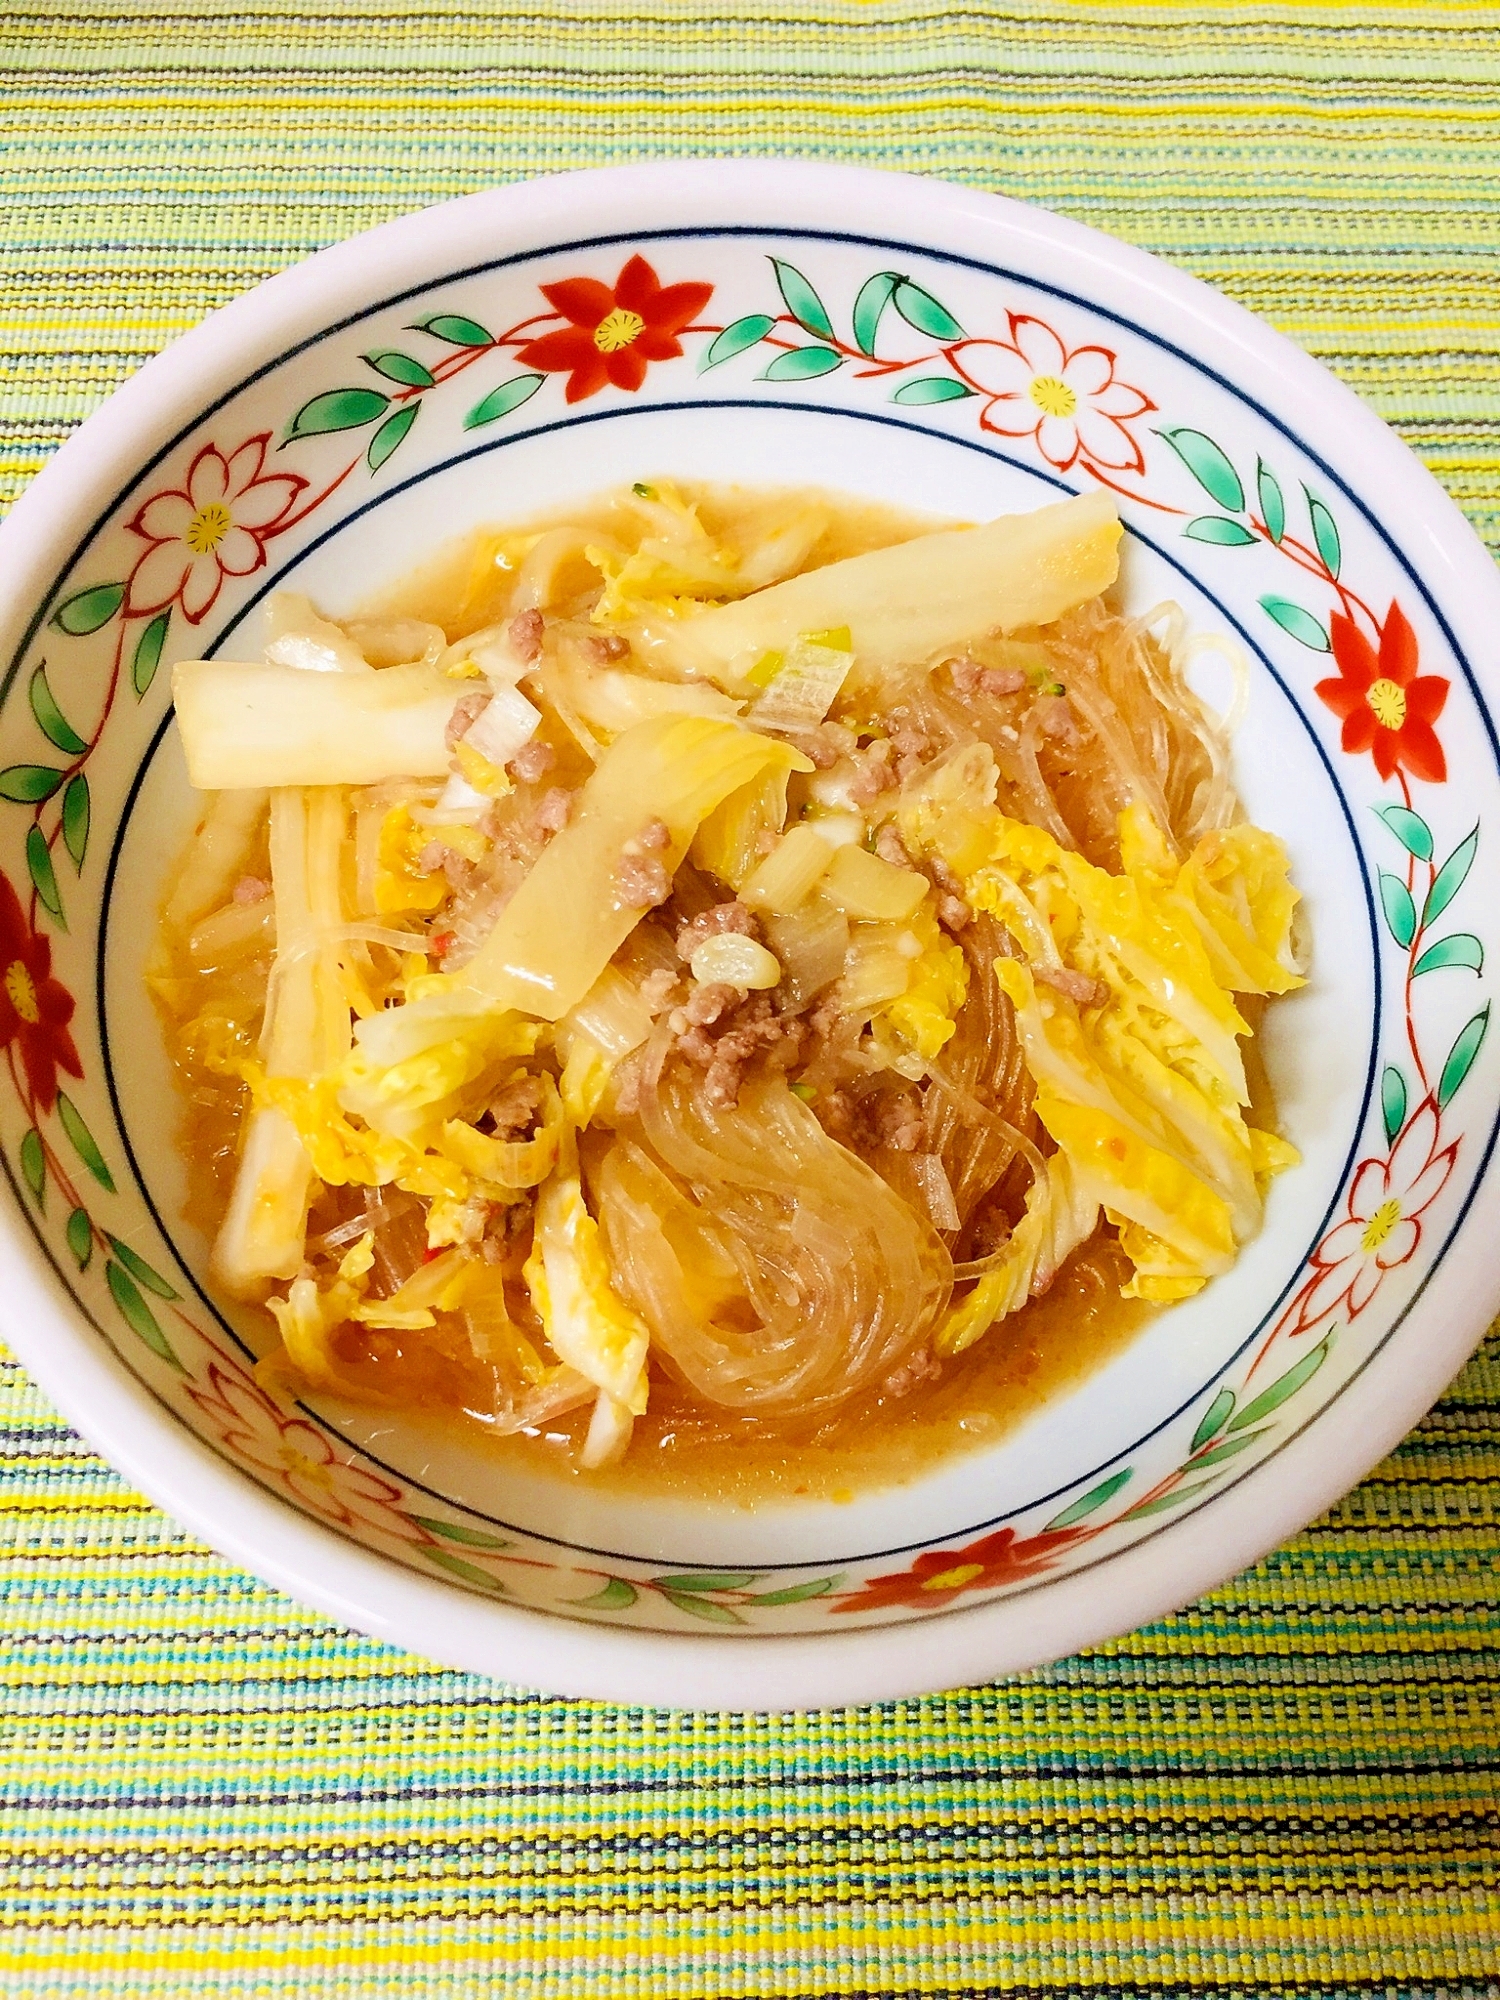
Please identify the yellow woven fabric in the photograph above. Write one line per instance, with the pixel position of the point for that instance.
(1289, 1789)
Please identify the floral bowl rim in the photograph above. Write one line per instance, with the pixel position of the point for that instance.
(318, 1565)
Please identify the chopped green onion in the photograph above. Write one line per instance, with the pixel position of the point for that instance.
(805, 1091)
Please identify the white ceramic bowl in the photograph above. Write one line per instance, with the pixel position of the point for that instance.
(916, 343)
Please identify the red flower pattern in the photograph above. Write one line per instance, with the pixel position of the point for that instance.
(942, 1575)
(1382, 1225)
(294, 1454)
(1383, 704)
(1068, 399)
(215, 525)
(35, 1008)
(615, 331)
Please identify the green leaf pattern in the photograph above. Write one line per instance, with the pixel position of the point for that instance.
(802, 302)
(869, 308)
(75, 818)
(1392, 1102)
(500, 402)
(1297, 623)
(739, 335)
(44, 875)
(390, 434)
(80, 1235)
(54, 725)
(1400, 910)
(1209, 465)
(89, 610)
(802, 364)
(147, 655)
(1272, 504)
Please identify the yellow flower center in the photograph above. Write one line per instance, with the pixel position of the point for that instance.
(1387, 703)
(304, 1467)
(953, 1579)
(1053, 396)
(208, 528)
(21, 989)
(617, 330)
(1380, 1225)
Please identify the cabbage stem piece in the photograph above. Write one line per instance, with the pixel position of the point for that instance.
(306, 1033)
(248, 724)
(574, 911)
(789, 873)
(862, 885)
(905, 604)
(298, 636)
(612, 700)
(217, 856)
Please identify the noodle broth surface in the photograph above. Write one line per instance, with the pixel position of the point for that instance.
(681, 1446)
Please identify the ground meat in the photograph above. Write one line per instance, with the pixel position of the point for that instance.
(514, 1108)
(554, 810)
(923, 1366)
(723, 917)
(603, 647)
(704, 1006)
(251, 889)
(910, 742)
(891, 847)
(880, 1118)
(430, 860)
(991, 1231)
(466, 712)
(627, 1088)
(827, 1014)
(819, 752)
(643, 882)
(840, 1118)
(525, 634)
(658, 990)
(654, 837)
(531, 762)
(745, 1028)
(970, 679)
(1055, 719)
(895, 1120)
(952, 911)
(1074, 985)
(873, 774)
(823, 746)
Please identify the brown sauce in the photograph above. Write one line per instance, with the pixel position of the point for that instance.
(680, 1447)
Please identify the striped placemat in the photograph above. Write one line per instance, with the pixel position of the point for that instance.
(1288, 1789)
